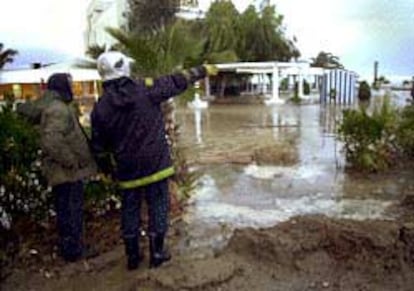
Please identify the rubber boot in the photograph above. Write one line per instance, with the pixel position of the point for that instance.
(132, 253)
(157, 252)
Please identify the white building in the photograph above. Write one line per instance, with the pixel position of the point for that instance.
(190, 9)
(102, 14)
(114, 13)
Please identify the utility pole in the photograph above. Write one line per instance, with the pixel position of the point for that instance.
(375, 74)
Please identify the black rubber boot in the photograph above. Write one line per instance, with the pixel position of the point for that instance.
(132, 253)
(157, 252)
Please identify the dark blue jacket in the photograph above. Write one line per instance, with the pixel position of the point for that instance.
(128, 122)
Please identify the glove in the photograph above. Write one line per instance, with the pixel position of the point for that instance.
(212, 70)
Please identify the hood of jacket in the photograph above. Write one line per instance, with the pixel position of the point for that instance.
(121, 92)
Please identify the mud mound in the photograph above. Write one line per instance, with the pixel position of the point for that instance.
(305, 253)
(350, 243)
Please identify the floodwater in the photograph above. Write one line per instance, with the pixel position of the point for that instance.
(233, 195)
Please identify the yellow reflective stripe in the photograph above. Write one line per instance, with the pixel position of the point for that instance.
(158, 176)
(149, 82)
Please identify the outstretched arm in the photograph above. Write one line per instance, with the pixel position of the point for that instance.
(168, 86)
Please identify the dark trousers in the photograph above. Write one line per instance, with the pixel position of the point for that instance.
(157, 198)
(69, 211)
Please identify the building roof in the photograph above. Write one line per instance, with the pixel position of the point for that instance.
(30, 76)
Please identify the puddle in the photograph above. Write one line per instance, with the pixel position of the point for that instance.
(236, 196)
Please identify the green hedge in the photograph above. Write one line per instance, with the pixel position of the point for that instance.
(375, 141)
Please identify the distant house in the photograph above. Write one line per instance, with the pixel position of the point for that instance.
(29, 83)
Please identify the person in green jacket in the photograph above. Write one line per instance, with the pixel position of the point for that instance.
(66, 159)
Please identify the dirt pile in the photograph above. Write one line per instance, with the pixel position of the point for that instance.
(304, 253)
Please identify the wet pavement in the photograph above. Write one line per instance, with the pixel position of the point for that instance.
(232, 195)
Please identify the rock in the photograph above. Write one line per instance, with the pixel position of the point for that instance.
(197, 274)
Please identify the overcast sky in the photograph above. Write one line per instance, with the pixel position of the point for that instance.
(358, 31)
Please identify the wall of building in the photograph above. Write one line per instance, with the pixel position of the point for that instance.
(102, 14)
(81, 90)
(20, 91)
(339, 86)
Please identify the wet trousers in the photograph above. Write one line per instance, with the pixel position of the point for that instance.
(157, 197)
(69, 211)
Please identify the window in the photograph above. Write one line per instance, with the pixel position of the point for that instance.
(17, 91)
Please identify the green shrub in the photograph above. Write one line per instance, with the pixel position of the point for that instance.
(405, 132)
(306, 91)
(364, 92)
(23, 190)
(369, 139)
(306, 87)
(284, 84)
(101, 196)
(295, 99)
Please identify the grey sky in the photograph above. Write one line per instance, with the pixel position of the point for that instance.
(358, 31)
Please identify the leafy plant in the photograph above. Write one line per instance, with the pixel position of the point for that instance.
(364, 92)
(6, 55)
(161, 52)
(369, 138)
(405, 132)
(101, 195)
(326, 60)
(284, 84)
(23, 190)
(306, 90)
(306, 87)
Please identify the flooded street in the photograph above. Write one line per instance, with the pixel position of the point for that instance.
(270, 213)
(242, 194)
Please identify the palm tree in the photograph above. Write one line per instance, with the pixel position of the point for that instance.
(326, 60)
(6, 55)
(162, 52)
(95, 50)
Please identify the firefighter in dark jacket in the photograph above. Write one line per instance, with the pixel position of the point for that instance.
(127, 121)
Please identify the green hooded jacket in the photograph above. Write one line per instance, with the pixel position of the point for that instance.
(66, 156)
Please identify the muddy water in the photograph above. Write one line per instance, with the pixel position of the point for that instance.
(232, 195)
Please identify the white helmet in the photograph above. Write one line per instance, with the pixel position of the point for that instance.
(114, 65)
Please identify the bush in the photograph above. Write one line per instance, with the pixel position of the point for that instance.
(306, 91)
(364, 92)
(101, 196)
(284, 84)
(405, 132)
(369, 139)
(306, 87)
(23, 190)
